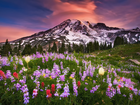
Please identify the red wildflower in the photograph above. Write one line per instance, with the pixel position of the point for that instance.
(78, 83)
(15, 75)
(120, 77)
(42, 84)
(2, 74)
(53, 88)
(48, 93)
(130, 88)
(35, 93)
(109, 86)
(119, 86)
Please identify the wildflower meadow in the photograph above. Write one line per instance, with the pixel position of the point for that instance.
(67, 79)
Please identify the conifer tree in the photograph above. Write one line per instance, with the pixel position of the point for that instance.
(69, 48)
(54, 48)
(49, 50)
(118, 41)
(40, 49)
(62, 48)
(81, 48)
(34, 49)
(6, 49)
(15, 50)
(27, 50)
(19, 48)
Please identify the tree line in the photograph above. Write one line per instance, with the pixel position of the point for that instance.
(6, 49)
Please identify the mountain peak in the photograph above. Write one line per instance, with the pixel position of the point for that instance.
(78, 32)
(100, 26)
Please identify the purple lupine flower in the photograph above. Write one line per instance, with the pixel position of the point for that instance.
(75, 87)
(46, 59)
(56, 93)
(8, 74)
(17, 86)
(32, 77)
(43, 60)
(94, 88)
(104, 80)
(38, 55)
(80, 72)
(124, 95)
(110, 84)
(110, 92)
(115, 82)
(97, 75)
(108, 80)
(86, 83)
(139, 93)
(72, 75)
(47, 71)
(12, 79)
(135, 91)
(62, 77)
(119, 70)
(5, 62)
(20, 62)
(66, 91)
(94, 81)
(65, 71)
(85, 89)
(8, 89)
(24, 89)
(118, 90)
(37, 73)
(61, 63)
(131, 96)
(23, 81)
(21, 71)
(15, 67)
(5, 83)
(11, 59)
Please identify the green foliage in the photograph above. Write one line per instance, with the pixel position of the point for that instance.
(69, 48)
(34, 49)
(6, 49)
(54, 48)
(40, 49)
(27, 50)
(49, 50)
(119, 41)
(62, 48)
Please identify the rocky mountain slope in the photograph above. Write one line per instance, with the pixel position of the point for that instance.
(76, 31)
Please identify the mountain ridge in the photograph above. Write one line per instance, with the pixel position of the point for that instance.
(76, 31)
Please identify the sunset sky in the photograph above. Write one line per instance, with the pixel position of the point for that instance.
(19, 18)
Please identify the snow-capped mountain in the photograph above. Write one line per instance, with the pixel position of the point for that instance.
(76, 31)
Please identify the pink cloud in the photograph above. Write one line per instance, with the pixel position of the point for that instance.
(12, 33)
(83, 10)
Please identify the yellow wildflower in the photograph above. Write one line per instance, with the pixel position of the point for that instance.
(88, 77)
(70, 77)
(86, 80)
(50, 77)
(43, 74)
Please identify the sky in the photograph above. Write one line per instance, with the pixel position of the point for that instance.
(20, 18)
